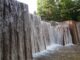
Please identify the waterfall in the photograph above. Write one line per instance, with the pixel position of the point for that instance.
(23, 34)
(59, 34)
(36, 38)
(52, 35)
(47, 35)
(44, 34)
(67, 35)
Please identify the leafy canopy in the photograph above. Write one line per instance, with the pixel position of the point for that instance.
(59, 10)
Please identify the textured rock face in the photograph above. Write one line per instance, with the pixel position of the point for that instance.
(15, 38)
(74, 32)
(78, 30)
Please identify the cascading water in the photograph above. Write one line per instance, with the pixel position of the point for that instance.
(35, 33)
(59, 34)
(67, 36)
(52, 36)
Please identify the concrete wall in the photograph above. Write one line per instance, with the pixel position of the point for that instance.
(15, 31)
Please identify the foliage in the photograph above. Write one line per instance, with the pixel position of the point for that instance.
(59, 10)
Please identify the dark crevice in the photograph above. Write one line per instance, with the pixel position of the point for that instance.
(10, 40)
(3, 34)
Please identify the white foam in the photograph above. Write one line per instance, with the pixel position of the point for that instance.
(70, 44)
(48, 50)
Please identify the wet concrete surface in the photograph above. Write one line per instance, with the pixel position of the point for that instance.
(70, 52)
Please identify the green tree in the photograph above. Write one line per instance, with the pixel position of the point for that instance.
(70, 9)
(59, 10)
(47, 10)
